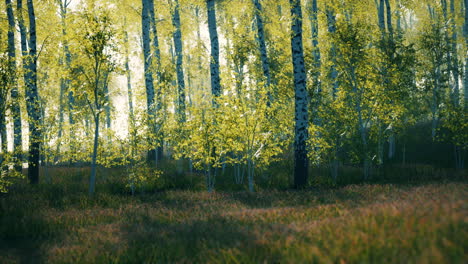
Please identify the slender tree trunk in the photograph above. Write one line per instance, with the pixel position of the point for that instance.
(331, 21)
(389, 20)
(315, 49)
(67, 54)
(455, 64)
(157, 154)
(263, 48)
(391, 138)
(92, 179)
(449, 54)
(381, 14)
(129, 81)
(32, 100)
(15, 109)
(107, 107)
(301, 161)
(200, 47)
(63, 81)
(214, 61)
(179, 63)
(3, 134)
(250, 173)
(398, 22)
(214, 73)
(148, 62)
(317, 85)
(465, 34)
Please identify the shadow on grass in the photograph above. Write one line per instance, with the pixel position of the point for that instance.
(24, 229)
(154, 241)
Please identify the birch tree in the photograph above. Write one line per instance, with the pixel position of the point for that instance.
(15, 103)
(258, 10)
(32, 99)
(177, 36)
(65, 91)
(301, 162)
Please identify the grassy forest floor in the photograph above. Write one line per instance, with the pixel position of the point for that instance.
(368, 223)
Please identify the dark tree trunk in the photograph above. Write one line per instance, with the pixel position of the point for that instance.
(179, 62)
(129, 79)
(15, 106)
(465, 34)
(32, 100)
(214, 61)
(455, 63)
(301, 161)
(331, 21)
(92, 179)
(262, 46)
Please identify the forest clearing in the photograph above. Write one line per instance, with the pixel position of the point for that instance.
(368, 223)
(233, 131)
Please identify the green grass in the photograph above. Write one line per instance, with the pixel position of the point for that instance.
(371, 223)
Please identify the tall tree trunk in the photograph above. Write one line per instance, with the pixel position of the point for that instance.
(331, 27)
(331, 21)
(398, 22)
(389, 20)
(15, 109)
(157, 154)
(317, 85)
(465, 34)
(179, 62)
(3, 130)
(148, 62)
(129, 80)
(391, 138)
(24, 44)
(436, 83)
(455, 64)
(32, 100)
(214, 61)
(215, 78)
(200, 47)
(450, 59)
(301, 161)
(315, 48)
(64, 81)
(262, 46)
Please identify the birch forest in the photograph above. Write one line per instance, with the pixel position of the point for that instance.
(233, 131)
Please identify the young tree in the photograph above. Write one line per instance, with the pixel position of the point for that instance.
(301, 162)
(98, 46)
